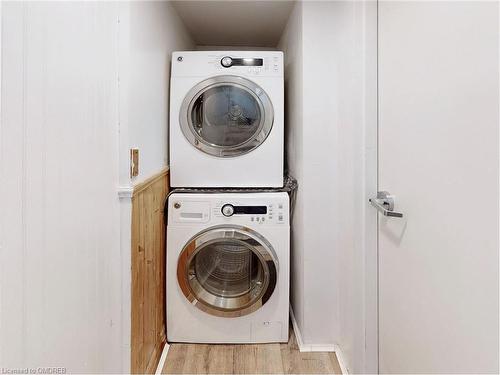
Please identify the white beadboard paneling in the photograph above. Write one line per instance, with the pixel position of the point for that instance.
(60, 279)
(13, 129)
(81, 83)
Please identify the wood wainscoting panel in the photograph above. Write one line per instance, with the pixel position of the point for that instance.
(148, 334)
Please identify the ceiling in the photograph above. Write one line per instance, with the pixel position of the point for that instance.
(235, 23)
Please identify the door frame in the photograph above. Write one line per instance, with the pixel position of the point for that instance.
(371, 124)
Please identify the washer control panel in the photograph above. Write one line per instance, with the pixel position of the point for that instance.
(248, 209)
(259, 214)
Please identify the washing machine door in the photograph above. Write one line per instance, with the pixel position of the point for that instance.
(226, 116)
(227, 271)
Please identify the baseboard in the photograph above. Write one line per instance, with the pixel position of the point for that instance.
(308, 347)
(316, 347)
(163, 358)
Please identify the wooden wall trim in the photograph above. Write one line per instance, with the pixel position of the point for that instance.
(148, 335)
(140, 186)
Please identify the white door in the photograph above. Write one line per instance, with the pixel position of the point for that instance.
(438, 154)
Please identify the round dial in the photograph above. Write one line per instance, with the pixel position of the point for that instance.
(226, 61)
(227, 210)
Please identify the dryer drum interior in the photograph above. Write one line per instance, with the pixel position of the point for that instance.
(227, 271)
(226, 116)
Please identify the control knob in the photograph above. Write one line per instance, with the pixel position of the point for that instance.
(227, 210)
(226, 61)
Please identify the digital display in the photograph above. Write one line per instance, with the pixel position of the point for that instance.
(247, 62)
(250, 210)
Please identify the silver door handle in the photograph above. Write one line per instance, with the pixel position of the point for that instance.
(384, 203)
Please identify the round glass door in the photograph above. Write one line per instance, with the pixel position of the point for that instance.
(226, 116)
(227, 271)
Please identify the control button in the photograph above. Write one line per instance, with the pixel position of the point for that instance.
(226, 61)
(252, 219)
(257, 218)
(280, 217)
(280, 205)
(263, 219)
(227, 210)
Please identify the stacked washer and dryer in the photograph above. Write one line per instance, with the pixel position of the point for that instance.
(228, 230)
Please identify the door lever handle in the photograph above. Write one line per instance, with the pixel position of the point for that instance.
(384, 203)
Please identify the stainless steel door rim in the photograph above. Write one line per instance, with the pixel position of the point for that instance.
(254, 140)
(221, 302)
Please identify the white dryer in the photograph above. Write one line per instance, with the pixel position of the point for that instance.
(227, 276)
(226, 119)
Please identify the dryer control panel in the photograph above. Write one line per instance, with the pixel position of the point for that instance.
(244, 63)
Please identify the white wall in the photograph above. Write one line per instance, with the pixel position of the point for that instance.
(81, 84)
(329, 110)
(292, 45)
(150, 32)
(59, 249)
(311, 136)
(345, 115)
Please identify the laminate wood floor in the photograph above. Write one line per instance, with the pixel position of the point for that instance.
(248, 359)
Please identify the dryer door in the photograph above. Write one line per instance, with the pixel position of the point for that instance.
(226, 116)
(227, 271)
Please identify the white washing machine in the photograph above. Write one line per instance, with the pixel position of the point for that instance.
(226, 119)
(227, 274)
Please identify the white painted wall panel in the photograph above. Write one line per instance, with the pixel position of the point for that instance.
(331, 107)
(337, 106)
(60, 279)
(149, 31)
(154, 32)
(81, 84)
(292, 46)
(310, 141)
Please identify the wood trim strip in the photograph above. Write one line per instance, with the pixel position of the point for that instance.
(140, 186)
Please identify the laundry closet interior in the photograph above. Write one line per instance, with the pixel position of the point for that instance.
(122, 121)
(324, 51)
